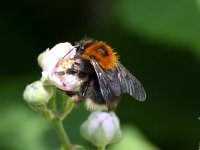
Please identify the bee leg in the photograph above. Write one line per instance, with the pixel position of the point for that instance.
(78, 96)
(70, 93)
(74, 96)
(83, 92)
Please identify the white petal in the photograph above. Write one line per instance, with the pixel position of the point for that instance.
(51, 57)
(49, 61)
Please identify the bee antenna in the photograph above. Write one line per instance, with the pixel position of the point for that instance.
(68, 52)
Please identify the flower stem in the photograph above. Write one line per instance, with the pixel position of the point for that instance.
(52, 104)
(47, 114)
(67, 108)
(101, 147)
(62, 134)
(57, 121)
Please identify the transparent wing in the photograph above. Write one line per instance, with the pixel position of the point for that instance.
(116, 81)
(108, 83)
(130, 84)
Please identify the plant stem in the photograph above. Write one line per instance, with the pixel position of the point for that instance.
(52, 104)
(57, 121)
(67, 108)
(62, 134)
(101, 147)
(47, 114)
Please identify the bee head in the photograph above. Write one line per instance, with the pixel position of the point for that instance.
(79, 50)
(82, 45)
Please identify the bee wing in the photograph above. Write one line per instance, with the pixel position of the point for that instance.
(108, 83)
(113, 82)
(130, 84)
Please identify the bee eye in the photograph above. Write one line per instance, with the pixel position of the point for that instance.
(79, 50)
(82, 49)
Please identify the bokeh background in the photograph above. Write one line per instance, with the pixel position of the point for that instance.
(159, 41)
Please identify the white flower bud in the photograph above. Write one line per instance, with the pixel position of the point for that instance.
(101, 128)
(37, 94)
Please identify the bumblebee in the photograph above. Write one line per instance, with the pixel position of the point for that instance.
(104, 77)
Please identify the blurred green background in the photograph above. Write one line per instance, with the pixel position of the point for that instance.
(159, 41)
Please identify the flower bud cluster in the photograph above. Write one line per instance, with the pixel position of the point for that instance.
(101, 128)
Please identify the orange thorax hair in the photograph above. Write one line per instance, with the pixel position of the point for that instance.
(102, 53)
